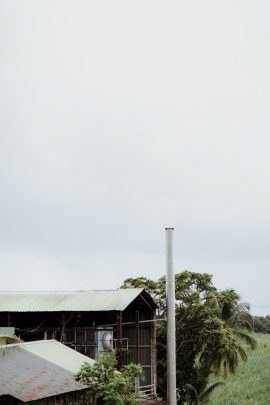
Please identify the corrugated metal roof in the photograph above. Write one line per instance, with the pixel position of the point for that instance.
(52, 301)
(41, 369)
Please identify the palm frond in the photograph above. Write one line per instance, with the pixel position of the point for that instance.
(242, 353)
(245, 337)
(203, 398)
(194, 393)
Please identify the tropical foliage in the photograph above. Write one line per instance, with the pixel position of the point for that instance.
(106, 384)
(209, 328)
(251, 384)
(8, 340)
(261, 324)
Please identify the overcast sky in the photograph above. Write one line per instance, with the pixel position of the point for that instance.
(119, 118)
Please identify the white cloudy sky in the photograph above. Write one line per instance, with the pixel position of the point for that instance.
(119, 118)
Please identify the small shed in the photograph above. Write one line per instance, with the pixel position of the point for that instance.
(40, 371)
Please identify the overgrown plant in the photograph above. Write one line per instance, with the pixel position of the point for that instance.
(9, 339)
(107, 385)
(5, 341)
(209, 325)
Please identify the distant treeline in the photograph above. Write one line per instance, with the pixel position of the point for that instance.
(261, 324)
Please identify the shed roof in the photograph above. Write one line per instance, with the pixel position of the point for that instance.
(40, 369)
(53, 301)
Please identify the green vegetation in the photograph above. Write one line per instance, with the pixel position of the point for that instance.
(8, 340)
(261, 324)
(211, 327)
(106, 385)
(251, 383)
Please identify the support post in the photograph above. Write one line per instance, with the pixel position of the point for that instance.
(170, 301)
(154, 354)
(119, 353)
(137, 336)
(8, 319)
(63, 330)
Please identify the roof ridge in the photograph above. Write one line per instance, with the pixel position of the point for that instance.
(52, 301)
(67, 291)
(33, 342)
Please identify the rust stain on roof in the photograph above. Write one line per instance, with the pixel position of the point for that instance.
(44, 369)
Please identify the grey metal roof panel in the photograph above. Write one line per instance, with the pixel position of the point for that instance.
(41, 369)
(53, 301)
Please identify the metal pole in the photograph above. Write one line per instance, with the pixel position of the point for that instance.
(170, 301)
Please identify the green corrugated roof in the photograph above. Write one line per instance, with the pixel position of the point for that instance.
(41, 369)
(53, 301)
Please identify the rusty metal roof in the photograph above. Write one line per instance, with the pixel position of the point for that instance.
(41, 369)
(53, 301)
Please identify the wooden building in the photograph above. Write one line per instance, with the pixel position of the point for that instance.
(91, 322)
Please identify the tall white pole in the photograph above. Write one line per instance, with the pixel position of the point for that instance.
(170, 301)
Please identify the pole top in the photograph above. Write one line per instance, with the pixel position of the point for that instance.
(169, 228)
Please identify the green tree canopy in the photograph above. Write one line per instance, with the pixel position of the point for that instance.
(261, 324)
(209, 325)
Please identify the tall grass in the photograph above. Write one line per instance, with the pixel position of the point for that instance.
(251, 384)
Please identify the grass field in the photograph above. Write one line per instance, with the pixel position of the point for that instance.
(251, 384)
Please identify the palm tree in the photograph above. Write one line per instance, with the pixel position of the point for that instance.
(224, 349)
(236, 315)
